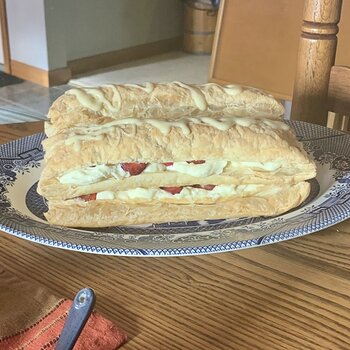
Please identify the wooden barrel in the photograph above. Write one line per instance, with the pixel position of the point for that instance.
(199, 27)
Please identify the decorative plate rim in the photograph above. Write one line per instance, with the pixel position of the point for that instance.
(312, 224)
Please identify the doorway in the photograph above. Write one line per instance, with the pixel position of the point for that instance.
(4, 40)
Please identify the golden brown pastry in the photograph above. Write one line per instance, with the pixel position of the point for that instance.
(101, 213)
(129, 160)
(158, 100)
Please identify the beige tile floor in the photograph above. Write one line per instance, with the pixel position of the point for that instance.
(171, 66)
(27, 101)
(30, 102)
(167, 67)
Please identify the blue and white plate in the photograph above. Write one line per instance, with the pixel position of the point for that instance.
(21, 208)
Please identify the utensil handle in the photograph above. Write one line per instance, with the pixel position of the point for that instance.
(78, 315)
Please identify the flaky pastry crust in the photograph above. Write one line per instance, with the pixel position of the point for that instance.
(162, 101)
(173, 122)
(147, 144)
(114, 212)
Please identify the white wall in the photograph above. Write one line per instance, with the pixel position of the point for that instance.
(108, 25)
(48, 33)
(90, 27)
(27, 33)
(56, 16)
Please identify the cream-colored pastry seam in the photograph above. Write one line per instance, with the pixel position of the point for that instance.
(188, 194)
(96, 100)
(96, 132)
(90, 175)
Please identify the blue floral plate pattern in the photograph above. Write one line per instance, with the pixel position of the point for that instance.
(21, 208)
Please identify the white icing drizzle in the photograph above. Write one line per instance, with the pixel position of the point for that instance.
(97, 135)
(116, 99)
(196, 94)
(95, 132)
(229, 89)
(165, 126)
(96, 100)
(147, 87)
(220, 124)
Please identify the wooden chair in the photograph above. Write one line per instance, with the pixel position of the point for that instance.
(320, 86)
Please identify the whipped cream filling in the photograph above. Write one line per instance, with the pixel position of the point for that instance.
(86, 176)
(94, 174)
(198, 170)
(188, 193)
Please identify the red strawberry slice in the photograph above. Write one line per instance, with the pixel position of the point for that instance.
(88, 197)
(208, 187)
(168, 163)
(196, 161)
(134, 168)
(196, 186)
(172, 190)
(204, 187)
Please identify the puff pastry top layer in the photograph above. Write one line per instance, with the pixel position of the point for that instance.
(86, 146)
(160, 101)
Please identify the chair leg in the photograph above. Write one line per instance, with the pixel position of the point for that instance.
(334, 121)
(338, 122)
(346, 124)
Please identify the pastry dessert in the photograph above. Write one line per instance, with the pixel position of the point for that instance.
(132, 154)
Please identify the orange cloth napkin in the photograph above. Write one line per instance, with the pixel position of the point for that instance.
(31, 318)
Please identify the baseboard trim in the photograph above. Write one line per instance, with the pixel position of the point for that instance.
(59, 76)
(40, 76)
(104, 60)
(87, 64)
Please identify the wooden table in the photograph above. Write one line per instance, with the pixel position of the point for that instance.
(290, 295)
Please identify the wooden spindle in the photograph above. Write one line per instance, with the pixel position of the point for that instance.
(316, 56)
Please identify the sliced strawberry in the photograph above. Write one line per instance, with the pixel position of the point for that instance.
(204, 187)
(196, 161)
(168, 163)
(208, 187)
(88, 197)
(134, 168)
(196, 186)
(172, 190)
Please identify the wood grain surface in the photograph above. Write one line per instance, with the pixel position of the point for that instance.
(339, 98)
(339, 90)
(256, 43)
(290, 295)
(316, 56)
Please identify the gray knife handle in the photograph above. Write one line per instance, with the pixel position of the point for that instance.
(78, 315)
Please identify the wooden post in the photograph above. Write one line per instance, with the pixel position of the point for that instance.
(316, 56)
(5, 37)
